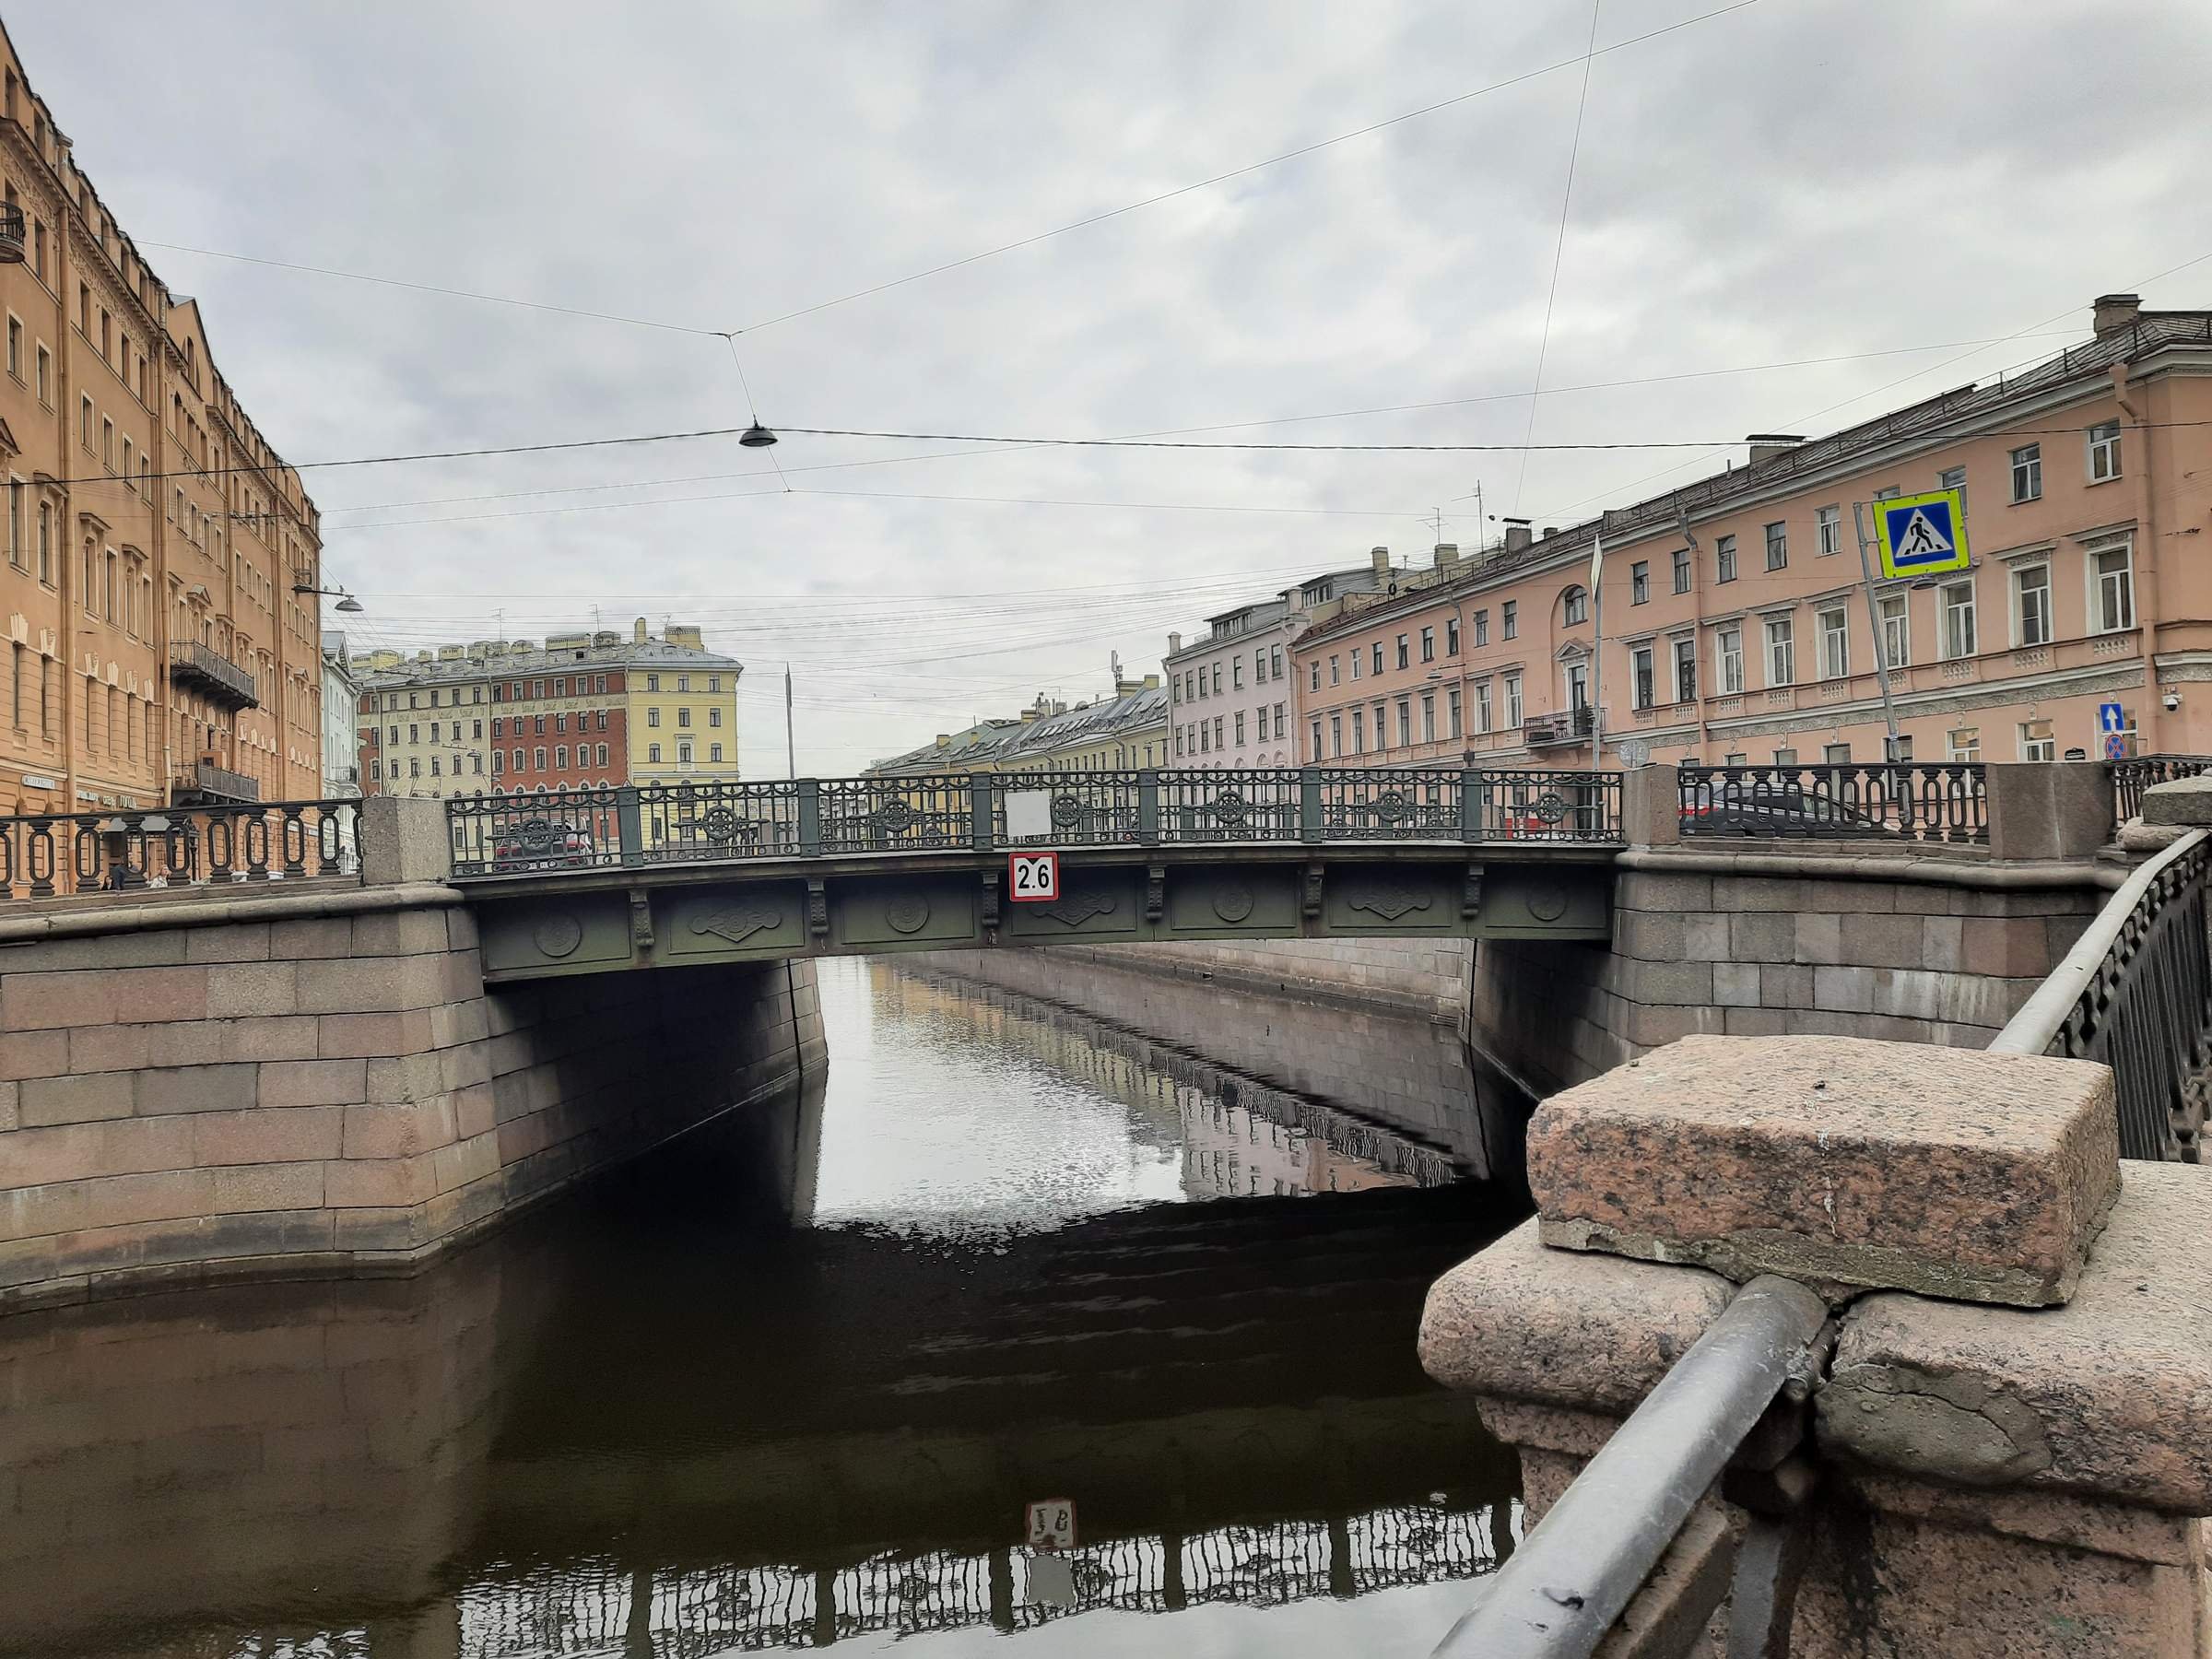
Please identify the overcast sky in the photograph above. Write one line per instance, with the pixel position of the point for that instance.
(1793, 179)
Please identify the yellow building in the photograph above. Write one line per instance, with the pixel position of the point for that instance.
(682, 706)
(160, 647)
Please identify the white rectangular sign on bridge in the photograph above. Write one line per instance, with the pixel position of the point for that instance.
(1033, 877)
(1051, 1524)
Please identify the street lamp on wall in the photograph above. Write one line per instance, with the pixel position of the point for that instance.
(346, 601)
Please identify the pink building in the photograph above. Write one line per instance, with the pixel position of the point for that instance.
(1736, 626)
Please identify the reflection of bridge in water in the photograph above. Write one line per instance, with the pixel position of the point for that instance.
(691, 1614)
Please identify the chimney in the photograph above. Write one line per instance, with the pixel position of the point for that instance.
(684, 635)
(1381, 558)
(1151, 682)
(943, 740)
(1550, 531)
(1447, 555)
(1516, 538)
(1764, 444)
(1174, 644)
(2113, 313)
(637, 631)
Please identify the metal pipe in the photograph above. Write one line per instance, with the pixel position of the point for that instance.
(1874, 622)
(1568, 1582)
(2043, 1015)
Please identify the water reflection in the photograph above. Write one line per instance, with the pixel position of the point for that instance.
(672, 1416)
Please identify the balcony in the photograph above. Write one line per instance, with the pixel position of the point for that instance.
(1552, 730)
(207, 784)
(11, 234)
(214, 674)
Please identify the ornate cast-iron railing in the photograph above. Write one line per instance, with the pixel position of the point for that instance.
(714, 823)
(2136, 993)
(2131, 778)
(172, 847)
(1946, 801)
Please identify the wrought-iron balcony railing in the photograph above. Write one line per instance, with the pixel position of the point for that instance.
(1570, 725)
(11, 233)
(208, 671)
(206, 782)
(809, 817)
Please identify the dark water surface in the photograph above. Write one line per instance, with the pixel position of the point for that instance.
(793, 1381)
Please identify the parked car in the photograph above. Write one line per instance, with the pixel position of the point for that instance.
(542, 844)
(1756, 807)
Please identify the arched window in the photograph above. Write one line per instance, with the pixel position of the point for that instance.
(1574, 606)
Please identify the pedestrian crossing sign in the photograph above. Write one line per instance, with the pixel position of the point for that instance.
(1921, 535)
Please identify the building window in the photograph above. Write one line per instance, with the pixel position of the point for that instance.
(1179, 740)
(1681, 566)
(538, 755)
(1376, 662)
(1578, 686)
(652, 717)
(1958, 634)
(1315, 665)
(683, 717)
(2104, 452)
(1356, 664)
(714, 717)
(1405, 657)
(1282, 715)
(1428, 716)
(1335, 736)
(1896, 640)
(1428, 644)
(683, 752)
(2028, 473)
(1686, 670)
(1827, 522)
(1953, 477)
(1482, 627)
(1275, 658)
(1836, 754)
(1782, 652)
(2031, 604)
(1239, 728)
(714, 753)
(1314, 754)
(1729, 647)
(1640, 581)
(1359, 731)
(45, 380)
(1451, 636)
(2037, 741)
(1482, 705)
(2113, 571)
(1778, 546)
(1724, 559)
(1236, 674)
(1641, 675)
(1508, 619)
(1574, 607)
(683, 682)
(1963, 743)
(1452, 712)
(560, 757)
(1835, 643)
(653, 754)
(1513, 700)
(1404, 725)
(1382, 725)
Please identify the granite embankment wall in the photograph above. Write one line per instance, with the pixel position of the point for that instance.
(1427, 978)
(1910, 950)
(199, 1093)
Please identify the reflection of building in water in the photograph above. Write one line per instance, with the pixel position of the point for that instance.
(1239, 1135)
(596, 1609)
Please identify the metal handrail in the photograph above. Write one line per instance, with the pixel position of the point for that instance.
(1567, 1584)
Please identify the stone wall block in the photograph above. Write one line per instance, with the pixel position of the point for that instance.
(312, 1082)
(33, 1002)
(399, 1131)
(248, 989)
(378, 1183)
(246, 942)
(164, 1089)
(1664, 890)
(41, 1054)
(1764, 937)
(1671, 983)
(399, 932)
(400, 1080)
(1843, 990)
(305, 938)
(1821, 939)
(272, 1037)
(1880, 939)
(1735, 984)
(1738, 893)
(466, 1021)
(371, 984)
(372, 1036)
(1943, 943)
(476, 1110)
(271, 1134)
(82, 1099)
(249, 1188)
(1785, 985)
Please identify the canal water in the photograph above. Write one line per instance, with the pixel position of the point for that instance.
(796, 1382)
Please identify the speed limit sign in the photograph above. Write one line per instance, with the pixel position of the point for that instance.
(1034, 876)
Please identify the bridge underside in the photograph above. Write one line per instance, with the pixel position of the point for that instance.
(534, 926)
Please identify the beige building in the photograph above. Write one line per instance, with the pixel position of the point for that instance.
(158, 648)
(1736, 626)
(1127, 732)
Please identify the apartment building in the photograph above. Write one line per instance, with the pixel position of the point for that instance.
(341, 739)
(160, 645)
(1735, 623)
(1127, 732)
(1230, 698)
(584, 710)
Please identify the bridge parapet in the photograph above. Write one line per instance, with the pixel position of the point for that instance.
(1926, 1470)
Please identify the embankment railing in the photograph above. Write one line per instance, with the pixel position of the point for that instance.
(1946, 801)
(172, 847)
(2136, 993)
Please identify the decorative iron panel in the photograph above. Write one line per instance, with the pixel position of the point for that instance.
(711, 823)
(917, 814)
(533, 834)
(1562, 806)
(1369, 803)
(1232, 805)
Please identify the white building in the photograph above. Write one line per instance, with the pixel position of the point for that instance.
(1230, 701)
(341, 738)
